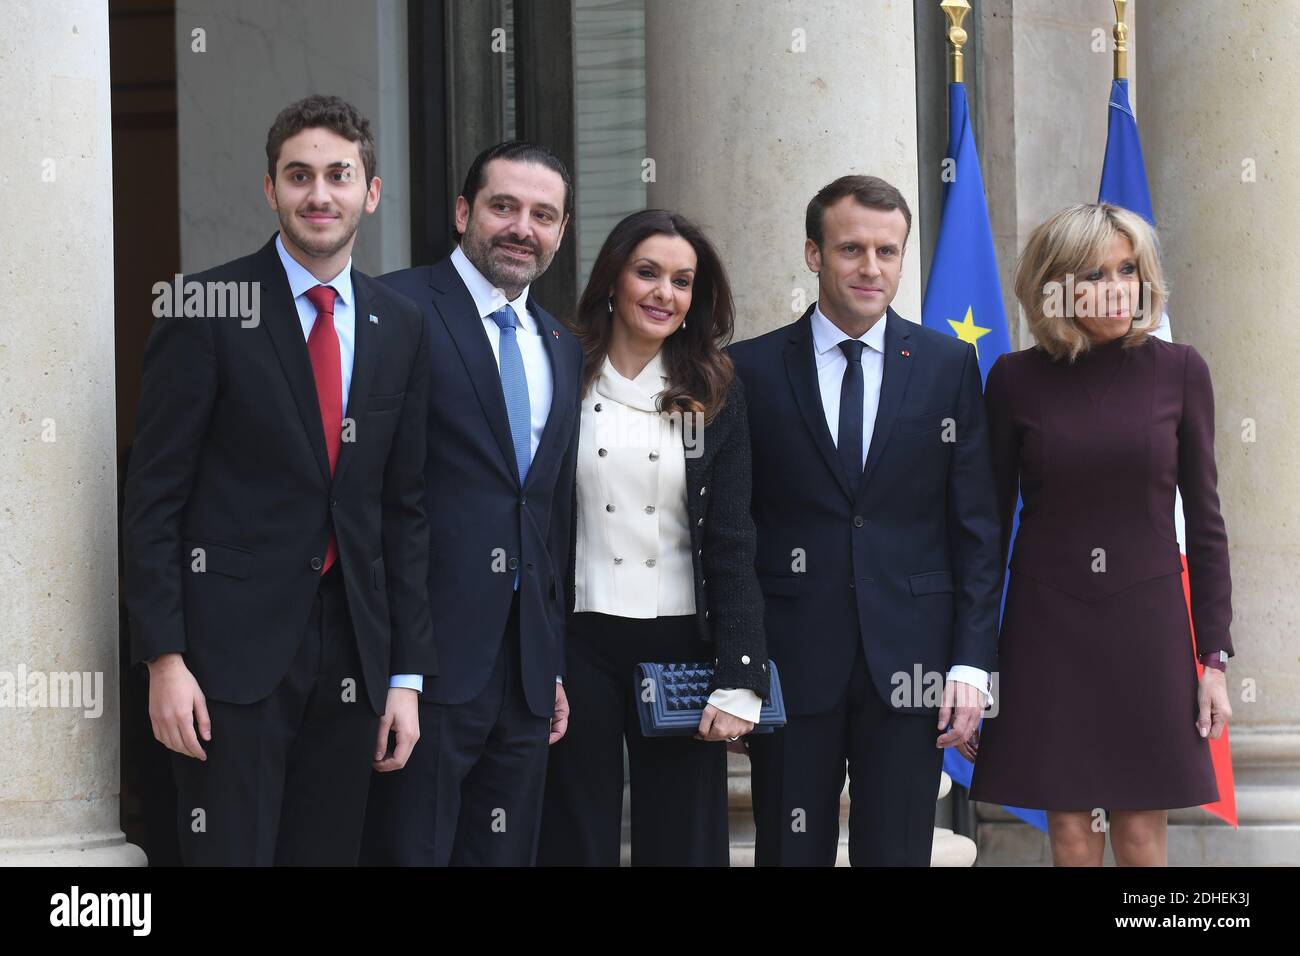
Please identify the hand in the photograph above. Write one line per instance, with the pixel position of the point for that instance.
(962, 705)
(402, 717)
(560, 719)
(175, 703)
(971, 748)
(1212, 699)
(719, 725)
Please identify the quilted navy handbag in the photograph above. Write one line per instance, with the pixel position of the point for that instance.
(672, 698)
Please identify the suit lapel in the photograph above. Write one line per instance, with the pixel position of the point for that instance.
(898, 368)
(801, 367)
(365, 357)
(460, 315)
(280, 316)
(563, 387)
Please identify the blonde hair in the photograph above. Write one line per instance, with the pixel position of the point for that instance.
(1073, 242)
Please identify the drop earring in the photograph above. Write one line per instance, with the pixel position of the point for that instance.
(609, 305)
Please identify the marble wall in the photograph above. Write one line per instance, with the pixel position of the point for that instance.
(259, 57)
(753, 107)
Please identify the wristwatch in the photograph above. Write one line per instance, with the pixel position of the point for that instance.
(1216, 659)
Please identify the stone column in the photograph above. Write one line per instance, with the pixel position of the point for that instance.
(1222, 144)
(753, 107)
(59, 776)
(1045, 71)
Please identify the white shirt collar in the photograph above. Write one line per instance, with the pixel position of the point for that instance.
(641, 392)
(487, 299)
(827, 335)
(300, 280)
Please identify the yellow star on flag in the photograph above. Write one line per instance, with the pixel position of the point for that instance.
(968, 331)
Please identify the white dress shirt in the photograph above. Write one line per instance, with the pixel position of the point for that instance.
(345, 324)
(831, 363)
(537, 365)
(345, 320)
(633, 541)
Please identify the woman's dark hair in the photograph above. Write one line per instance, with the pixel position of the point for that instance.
(699, 372)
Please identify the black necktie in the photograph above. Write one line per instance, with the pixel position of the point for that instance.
(850, 437)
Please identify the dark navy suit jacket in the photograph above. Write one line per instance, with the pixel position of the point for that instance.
(483, 528)
(904, 560)
(230, 463)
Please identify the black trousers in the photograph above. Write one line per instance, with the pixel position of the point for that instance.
(678, 784)
(893, 768)
(471, 793)
(286, 778)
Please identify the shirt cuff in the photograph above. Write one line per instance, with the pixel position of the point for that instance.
(559, 679)
(740, 702)
(965, 674)
(413, 682)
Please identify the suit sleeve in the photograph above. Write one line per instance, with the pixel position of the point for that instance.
(1004, 443)
(178, 390)
(405, 525)
(973, 532)
(1207, 539)
(730, 546)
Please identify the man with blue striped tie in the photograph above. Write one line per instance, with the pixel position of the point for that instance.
(503, 414)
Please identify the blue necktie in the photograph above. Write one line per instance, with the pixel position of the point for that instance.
(850, 436)
(514, 385)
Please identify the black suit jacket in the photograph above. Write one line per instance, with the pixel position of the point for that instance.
(483, 527)
(229, 474)
(904, 560)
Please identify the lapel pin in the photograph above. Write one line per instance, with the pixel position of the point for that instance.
(374, 320)
(905, 353)
(555, 332)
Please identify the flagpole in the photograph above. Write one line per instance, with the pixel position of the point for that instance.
(955, 11)
(1121, 41)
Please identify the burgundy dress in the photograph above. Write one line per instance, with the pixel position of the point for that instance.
(1096, 696)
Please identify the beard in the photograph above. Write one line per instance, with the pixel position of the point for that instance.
(317, 246)
(502, 272)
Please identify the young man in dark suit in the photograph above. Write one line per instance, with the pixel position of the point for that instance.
(877, 546)
(275, 537)
(503, 416)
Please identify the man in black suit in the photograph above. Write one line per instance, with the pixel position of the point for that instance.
(877, 546)
(503, 416)
(275, 537)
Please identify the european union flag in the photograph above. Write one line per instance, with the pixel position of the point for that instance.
(964, 296)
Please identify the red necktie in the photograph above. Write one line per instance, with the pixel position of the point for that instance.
(323, 347)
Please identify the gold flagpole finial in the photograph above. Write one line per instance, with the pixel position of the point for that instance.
(1121, 41)
(955, 11)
